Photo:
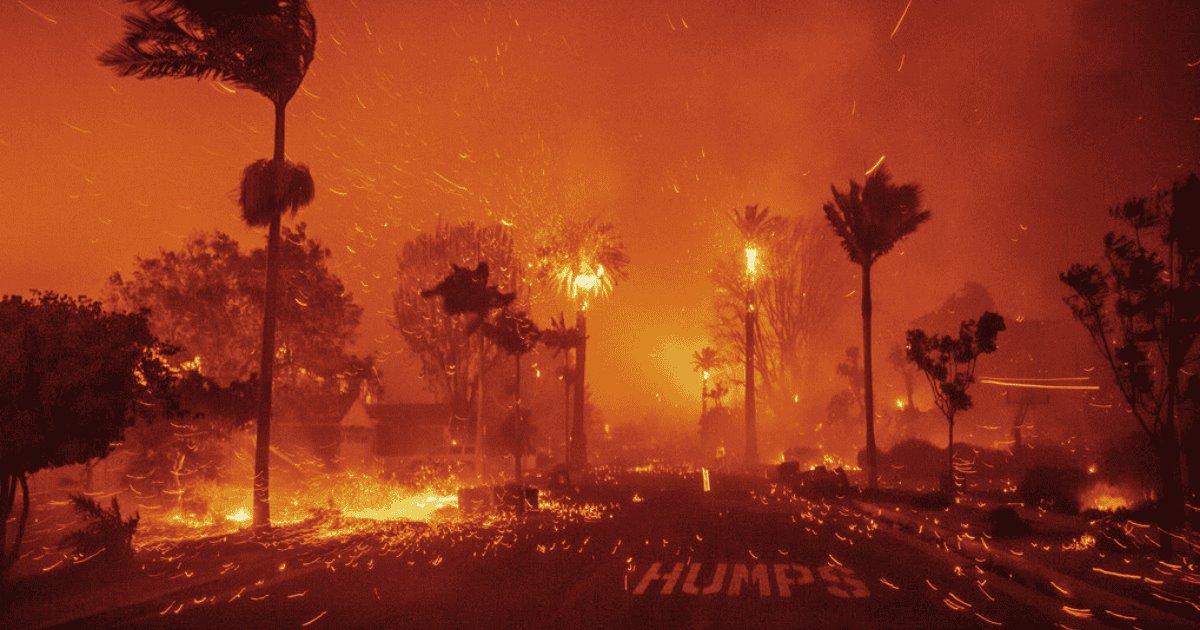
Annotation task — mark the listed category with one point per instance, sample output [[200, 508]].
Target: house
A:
[[372, 433]]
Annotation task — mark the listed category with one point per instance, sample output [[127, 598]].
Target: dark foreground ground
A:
[[648, 549]]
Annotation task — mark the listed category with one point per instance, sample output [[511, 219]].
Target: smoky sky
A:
[[1022, 121]]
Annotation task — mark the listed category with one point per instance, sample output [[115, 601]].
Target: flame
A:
[[1106, 498], [751, 261], [240, 516]]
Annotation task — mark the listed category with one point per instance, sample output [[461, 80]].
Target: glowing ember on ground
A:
[[241, 515]]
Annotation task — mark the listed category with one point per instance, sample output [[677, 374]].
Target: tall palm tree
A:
[[705, 361], [870, 219], [584, 260], [264, 46], [756, 226]]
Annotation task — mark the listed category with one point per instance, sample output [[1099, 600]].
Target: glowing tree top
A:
[[584, 260]]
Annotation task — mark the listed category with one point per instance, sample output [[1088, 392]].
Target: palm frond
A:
[[270, 188], [578, 249], [262, 45], [755, 224], [871, 218]]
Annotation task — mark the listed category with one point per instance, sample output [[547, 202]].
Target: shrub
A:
[[913, 461], [1005, 523], [106, 535]]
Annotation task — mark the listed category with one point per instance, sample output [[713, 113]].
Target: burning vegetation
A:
[[390, 389]]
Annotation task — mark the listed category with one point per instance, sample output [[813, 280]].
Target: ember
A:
[[599, 314]]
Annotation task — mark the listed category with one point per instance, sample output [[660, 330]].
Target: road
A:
[[661, 553]]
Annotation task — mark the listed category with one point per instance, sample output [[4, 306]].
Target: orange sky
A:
[[1022, 120]]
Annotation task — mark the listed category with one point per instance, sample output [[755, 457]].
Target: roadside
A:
[[1095, 569]]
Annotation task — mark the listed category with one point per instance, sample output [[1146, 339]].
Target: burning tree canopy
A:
[[798, 279], [582, 259]]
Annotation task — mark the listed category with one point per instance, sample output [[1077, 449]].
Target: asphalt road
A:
[[663, 554]]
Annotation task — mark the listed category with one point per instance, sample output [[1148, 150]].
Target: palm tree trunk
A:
[[578, 434], [480, 430], [262, 445], [868, 383], [518, 436], [567, 408], [751, 410], [703, 398]]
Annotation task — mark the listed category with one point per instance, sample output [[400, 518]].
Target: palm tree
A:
[[466, 292], [718, 393], [584, 260], [756, 227], [514, 333], [870, 220], [562, 339], [264, 46], [705, 361]]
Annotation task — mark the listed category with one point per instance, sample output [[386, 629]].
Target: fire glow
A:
[[1106, 498]]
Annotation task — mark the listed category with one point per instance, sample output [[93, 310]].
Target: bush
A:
[[1006, 523], [913, 461], [1053, 488], [106, 535]]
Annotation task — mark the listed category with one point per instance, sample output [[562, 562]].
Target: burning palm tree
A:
[[584, 260], [756, 226], [705, 361]]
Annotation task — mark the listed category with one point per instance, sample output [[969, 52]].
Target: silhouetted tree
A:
[[264, 46], [206, 298], [73, 377], [756, 226], [970, 299], [515, 334], [797, 280], [562, 339], [705, 361], [583, 260], [870, 219], [948, 364], [466, 293], [1141, 307], [452, 361]]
